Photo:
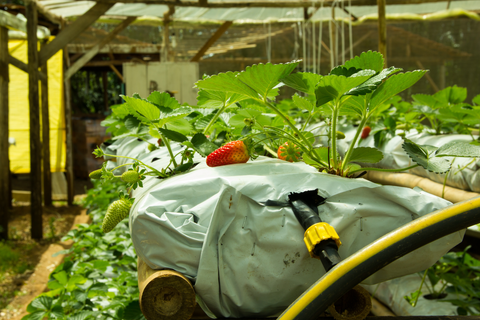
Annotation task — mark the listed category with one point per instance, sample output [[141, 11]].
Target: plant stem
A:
[[351, 147], [123, 165], [143, 164], [420, 289], [333, 132], [215, 117], [384, 170]]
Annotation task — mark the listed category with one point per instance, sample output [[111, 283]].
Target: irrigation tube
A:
[[359, 266]]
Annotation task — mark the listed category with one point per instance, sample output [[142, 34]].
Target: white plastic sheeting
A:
[[246, 259]]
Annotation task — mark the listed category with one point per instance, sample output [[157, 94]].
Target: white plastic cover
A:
[[246, 259]]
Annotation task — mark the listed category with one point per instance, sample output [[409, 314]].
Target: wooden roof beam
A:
[[73, 30], [96, 48], [261, 4], [220, 31]]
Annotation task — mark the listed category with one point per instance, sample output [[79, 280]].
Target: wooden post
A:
[[5, 191], [221, 30], [47, 175], [166, 34], [164, 294], [35, 143], [382, 30], [68, 132]]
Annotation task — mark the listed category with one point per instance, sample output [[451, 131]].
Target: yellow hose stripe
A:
[[364, 254]]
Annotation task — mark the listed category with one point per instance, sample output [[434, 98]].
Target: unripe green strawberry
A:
[[130, 176], [97, 174], [116, 212], [340, 135], [289, 152], [232, 152], [152, 147]]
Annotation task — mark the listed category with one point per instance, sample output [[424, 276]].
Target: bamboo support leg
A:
[[164, 294]]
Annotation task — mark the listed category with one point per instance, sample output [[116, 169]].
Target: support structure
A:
[[165, 56], [35, 143], [220, 31], [382, 30], [47, 175], [5, 192]]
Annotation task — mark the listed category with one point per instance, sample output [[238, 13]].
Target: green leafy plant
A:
[[457, 274]]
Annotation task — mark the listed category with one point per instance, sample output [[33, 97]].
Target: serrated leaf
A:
[[343, 71], [302, 103], [264, 77], [141, 109], [37, 315], [451, 95], [82, 315], [42, 303], [61, 277], [173, 135], [476, 100], [394, 85], [423, 156], [167, 115], [226, 82], [132, 123], [302, 81], [202, 145], [458, 149], [332, 87], [426, 100], [133, 312], [371, 84], [180, 125], [120, 110], [366, 154], [355, 106], [163, 99], [367, 60], [218, 99], [152, 131]]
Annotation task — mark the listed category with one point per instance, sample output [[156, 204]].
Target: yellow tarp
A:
[[19, 111]]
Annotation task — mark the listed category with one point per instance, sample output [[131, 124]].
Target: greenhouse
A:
[[227, 159]]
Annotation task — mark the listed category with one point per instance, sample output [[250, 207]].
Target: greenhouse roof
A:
[[250, 12]]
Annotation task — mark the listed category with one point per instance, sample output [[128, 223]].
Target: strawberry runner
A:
[[246, 259]]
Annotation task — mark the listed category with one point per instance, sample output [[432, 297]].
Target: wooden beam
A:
[[264, 3], [220, 31], [24, 67], [428, 77], [382, 30], [47, 175], [119, 75], [164, 57], [5, 190], [35, 143], [96, 48], [73, 30], [68, 133], [52, 17]]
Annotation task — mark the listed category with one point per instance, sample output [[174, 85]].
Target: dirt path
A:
[[33, 282]]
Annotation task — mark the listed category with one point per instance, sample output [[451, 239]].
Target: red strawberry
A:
[[365, 132], [289, 152], [232, 152]]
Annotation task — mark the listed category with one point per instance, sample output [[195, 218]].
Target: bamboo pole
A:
[[382, 29], [5, 191], [47, 175], [35, 143], [68, 133], [164, 294]]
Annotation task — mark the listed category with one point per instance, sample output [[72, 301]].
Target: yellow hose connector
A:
[[317, 233]]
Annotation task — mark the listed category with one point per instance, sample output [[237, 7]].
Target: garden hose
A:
[[365, 262], [321, 239]]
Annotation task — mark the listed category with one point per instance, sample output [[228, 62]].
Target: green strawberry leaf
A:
[[202, 145], [371, 84], [342, 71], [168, 115], [458, 149], [61, 277], [37, 315], [426, 100], [264, 77], [333, 87], [355, 106], [173, 135], [43, 303], [302, 81], [180, 125], [218, 99], [394, 85], [367, 60], [226, 82], [366, 154], [132, 311], [425, 157], [163, 100], [451, 95], [476, 100], [141, 109], [302, 103], [184, 167], [120, 110]]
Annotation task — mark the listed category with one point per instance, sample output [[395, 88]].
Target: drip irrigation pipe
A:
[[359, 266]]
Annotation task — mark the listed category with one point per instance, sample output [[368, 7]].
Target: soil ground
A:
[[24, 252]]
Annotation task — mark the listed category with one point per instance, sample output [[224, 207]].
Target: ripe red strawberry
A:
[[289, 152], [232, 152], [365, 132]]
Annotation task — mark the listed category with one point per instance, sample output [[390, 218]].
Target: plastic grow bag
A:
[[247, 259]]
